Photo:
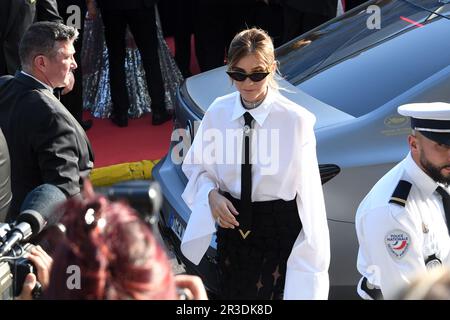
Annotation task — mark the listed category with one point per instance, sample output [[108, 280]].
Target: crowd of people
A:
[[115, 251], [46, 144], [272, 233], [148, 79], [214, 24]]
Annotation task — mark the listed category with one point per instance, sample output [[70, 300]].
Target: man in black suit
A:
[[301, 16], [15, 17], [45, 142], [139, 15]]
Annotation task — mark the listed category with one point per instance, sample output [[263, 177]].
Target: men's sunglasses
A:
[[241, 76]]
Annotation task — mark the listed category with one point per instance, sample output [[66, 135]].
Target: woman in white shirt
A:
[[253, 175]]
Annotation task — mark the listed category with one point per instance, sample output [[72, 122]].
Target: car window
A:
[[308, 53], [362, 69], [439, 6], [370, 78]]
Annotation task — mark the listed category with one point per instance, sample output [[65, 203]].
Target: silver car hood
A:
[[205, 87]]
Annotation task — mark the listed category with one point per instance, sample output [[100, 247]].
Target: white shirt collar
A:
[[419, 178], [45, 85], [259, 113]]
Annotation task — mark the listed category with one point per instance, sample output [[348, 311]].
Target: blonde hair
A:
[[254, 41]]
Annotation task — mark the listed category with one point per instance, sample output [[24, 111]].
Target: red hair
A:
[[117, 254]]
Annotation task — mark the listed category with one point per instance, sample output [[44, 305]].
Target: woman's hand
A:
[[222, 210], [43, 263], [191, 286]]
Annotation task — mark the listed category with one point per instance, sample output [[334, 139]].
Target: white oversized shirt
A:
[[284, 165], [420, 224]]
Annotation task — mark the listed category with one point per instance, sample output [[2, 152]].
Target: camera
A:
[[14, 267], [143, 195], [38, 210]]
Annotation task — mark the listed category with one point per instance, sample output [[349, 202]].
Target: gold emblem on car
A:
[[395, 121]]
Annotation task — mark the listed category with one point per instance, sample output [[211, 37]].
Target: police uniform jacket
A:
[[401, 227]]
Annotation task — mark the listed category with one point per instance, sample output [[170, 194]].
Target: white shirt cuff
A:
[[306, 286]]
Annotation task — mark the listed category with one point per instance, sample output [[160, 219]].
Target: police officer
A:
[[401, 224]]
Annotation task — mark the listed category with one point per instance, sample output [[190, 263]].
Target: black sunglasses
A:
[[241, 76]]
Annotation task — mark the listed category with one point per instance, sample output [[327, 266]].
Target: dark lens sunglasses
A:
[[241, 76]]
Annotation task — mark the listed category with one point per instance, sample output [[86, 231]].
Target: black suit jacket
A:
[[125, 4], [15, 17], [47, 10], [46, 144]]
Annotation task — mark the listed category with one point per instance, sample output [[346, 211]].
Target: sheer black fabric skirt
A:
[[255, 267]]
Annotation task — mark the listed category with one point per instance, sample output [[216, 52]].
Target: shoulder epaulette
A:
[[401, 192]]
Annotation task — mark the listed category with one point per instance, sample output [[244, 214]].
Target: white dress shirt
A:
[[421, 220], [283, 166]]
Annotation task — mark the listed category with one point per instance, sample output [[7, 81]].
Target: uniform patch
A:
[[397, 243], [401, 192]]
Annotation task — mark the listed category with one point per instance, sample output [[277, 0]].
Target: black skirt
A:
[[255, 267]]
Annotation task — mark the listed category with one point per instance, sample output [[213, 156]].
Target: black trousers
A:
[[184, 11], [215, 25], [142, 24], [73, 101], [12, 28], [255, 267], [350, 4], [209, 29]]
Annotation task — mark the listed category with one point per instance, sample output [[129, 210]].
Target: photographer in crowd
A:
[[37, 255], [116, 252]]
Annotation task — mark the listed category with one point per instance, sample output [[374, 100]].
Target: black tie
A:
[[446, 203], [245, 214]]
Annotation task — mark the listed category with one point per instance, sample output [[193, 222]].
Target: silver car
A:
[[352, 73]]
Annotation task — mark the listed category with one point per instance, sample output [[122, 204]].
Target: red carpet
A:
[[139, 141]]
